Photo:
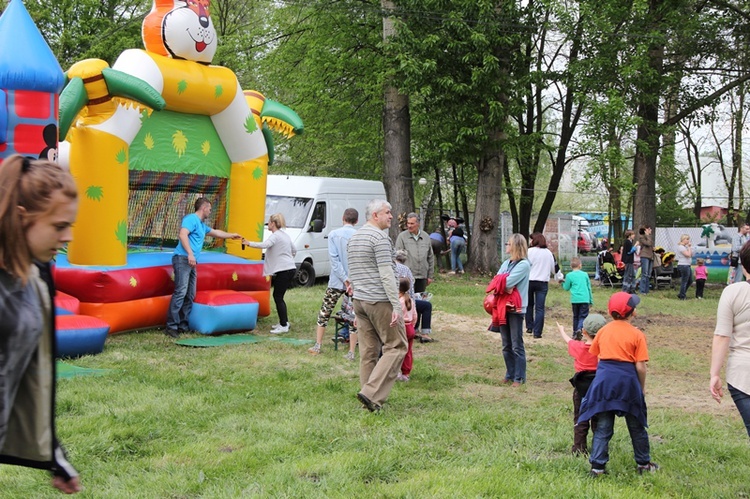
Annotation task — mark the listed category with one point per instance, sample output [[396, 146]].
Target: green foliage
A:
[[83, 29]]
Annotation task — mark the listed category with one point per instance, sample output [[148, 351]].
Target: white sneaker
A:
[[281, 329], [276, 326], [349, 356]]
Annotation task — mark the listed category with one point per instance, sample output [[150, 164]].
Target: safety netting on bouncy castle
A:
[[174, 159]]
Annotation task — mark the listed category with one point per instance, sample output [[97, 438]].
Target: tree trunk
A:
[[647, 144], [483, 257], [739, 124], [397, 174]]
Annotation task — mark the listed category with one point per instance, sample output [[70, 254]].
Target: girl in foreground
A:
[[38, 205]]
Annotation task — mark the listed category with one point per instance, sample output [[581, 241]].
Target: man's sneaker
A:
[[402, 377], [281, 329], [596, 473], [647, 468], [315, 349], [172, 333], [349, 356]]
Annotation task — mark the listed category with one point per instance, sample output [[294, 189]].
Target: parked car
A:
[[585, 242]]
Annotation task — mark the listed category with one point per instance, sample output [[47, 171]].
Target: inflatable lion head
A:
[[181, 30]]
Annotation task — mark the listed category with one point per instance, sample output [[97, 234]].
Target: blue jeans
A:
[[580, 312], [647, 265], [628, 278], [457, 247], [514, 352], [742, 401], [535, 309], [424, 315], [686, 279], [185, 278], [605, 428]]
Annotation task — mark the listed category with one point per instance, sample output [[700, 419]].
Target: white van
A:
[[313, 207]]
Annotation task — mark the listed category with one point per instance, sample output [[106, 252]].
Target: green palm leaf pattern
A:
[[121, 233], [258, 173], [250, 125], [94, 192], [181, 86], [122, 156], [259, 231], [218, 91]]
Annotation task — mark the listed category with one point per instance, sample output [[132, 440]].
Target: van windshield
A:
[[294, 209]]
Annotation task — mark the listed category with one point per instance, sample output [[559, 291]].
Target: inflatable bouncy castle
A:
[[143, 139]]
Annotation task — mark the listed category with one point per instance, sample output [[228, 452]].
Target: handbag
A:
[[489, 302]]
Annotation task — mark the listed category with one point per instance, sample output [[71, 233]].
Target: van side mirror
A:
[[316, 225]]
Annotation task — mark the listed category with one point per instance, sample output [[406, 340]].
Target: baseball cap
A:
[[623, 303], [593, 323]]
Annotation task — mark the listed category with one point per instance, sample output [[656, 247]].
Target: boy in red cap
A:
[[617, 389]]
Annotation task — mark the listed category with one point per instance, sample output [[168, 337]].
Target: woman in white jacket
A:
[[279, 263]]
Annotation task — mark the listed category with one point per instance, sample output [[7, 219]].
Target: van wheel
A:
[[305, 275]]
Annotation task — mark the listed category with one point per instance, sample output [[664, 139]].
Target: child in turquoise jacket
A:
[[579, 285]]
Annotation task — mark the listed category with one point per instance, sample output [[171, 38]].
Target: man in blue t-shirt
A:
[[184, 261]]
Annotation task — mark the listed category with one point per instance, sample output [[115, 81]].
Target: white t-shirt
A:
[[542, 264]]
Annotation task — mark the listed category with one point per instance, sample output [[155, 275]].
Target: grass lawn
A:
[[269, 420]]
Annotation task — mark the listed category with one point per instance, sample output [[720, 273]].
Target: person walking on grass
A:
[[732, 341], [585, 370], [38, 206], [619, 386], [409, 310], [338, 281], [380, 325], [581, 297], [278, 263], [193, 231]]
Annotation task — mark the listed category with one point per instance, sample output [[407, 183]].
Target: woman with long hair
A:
[[38, 205]]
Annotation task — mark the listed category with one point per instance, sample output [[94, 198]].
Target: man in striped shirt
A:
[[379, 321]]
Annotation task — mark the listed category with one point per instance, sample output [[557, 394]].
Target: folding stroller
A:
[[344, 321], [663, 273], [609, 276]]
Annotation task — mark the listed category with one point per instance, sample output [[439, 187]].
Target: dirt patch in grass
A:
[[686, 387]]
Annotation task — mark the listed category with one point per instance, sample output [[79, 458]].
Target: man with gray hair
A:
[[380, 323], [420, 259]]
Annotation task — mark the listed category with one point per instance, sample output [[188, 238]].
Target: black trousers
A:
[[281, 282]]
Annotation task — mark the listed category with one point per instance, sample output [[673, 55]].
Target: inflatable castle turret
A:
[[30, 83]]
